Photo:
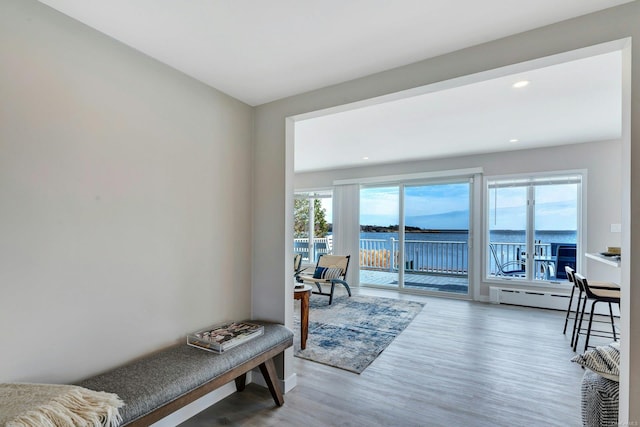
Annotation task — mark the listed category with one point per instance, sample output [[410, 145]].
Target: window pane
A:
[[507, 231], [556, 226], [379, 213], [312, 225], [301, 227]]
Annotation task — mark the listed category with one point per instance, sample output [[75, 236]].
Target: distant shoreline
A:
[[420, 230], [409, 229]]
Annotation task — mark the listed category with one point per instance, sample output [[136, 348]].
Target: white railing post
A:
[[393, 265]]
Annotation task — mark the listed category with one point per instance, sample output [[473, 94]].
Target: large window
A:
[[312, 224], [533, 227]]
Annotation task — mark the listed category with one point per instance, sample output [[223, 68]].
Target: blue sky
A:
[[439, 206], [447, 207], [555, 208]]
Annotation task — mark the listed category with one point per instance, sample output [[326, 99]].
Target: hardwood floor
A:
[[459, 363]]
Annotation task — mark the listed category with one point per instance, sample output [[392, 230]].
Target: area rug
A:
[[350, 333]]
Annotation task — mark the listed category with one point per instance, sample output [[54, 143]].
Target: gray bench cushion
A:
[[161, 377]]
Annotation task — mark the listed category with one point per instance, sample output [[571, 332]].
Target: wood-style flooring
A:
[[459, 363]]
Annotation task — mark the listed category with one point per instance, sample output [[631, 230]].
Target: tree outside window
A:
[[311, 216]]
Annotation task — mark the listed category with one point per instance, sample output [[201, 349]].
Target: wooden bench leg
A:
[[268, 369], [241, 382]]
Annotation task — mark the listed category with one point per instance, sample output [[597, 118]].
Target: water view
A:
[[446, 251], [503, 236]]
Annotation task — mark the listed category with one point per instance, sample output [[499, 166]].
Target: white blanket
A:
[[54, 405]]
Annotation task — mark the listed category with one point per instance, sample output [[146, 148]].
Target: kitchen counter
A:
[[609, 260]]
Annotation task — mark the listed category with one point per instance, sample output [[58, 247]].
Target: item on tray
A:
[[610, 255], [225, 336]]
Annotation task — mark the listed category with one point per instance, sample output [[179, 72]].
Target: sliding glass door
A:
[[436, 237], [415, 236]]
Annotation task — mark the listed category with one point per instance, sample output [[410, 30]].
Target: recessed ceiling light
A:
[[521, 83], [514, 140], [365, 158]]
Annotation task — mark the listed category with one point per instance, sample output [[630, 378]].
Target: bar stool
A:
[[571, 314], [595, 295], [569, 271]]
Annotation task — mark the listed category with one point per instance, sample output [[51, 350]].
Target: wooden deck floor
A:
[[426, 282], [459, 363]]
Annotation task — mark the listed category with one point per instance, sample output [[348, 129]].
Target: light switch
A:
[[616, 228]]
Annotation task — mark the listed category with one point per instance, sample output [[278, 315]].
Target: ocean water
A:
[[497, 236], [455, 257]]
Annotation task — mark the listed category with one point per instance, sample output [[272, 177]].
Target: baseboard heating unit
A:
[[542, 299], [529, 298]]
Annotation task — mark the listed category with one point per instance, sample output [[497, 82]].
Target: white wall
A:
[[275, 154], [601, 161], [125, 200]]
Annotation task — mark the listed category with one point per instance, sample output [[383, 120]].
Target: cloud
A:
[[447, 207]]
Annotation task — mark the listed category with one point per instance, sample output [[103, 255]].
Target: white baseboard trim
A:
[[197, 406], [529, 297], [286, 385], [290, 383], [554, 300], [483, 298]]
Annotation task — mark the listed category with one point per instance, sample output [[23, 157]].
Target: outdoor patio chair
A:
[[515, 267], [330, 270], [565, 256]]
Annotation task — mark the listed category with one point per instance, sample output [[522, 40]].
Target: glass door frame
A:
[[470, 180]]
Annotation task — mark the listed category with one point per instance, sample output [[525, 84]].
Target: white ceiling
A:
[[571, 102], [260, 51]]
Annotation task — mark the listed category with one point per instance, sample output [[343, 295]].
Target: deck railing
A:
[[510, 252], [321, 245], [375, 254], [426, 256], [421, 256]]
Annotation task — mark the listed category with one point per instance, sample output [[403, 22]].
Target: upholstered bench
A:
[[163, 382]]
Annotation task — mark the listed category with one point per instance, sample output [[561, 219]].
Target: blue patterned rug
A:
[[350, 333]]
